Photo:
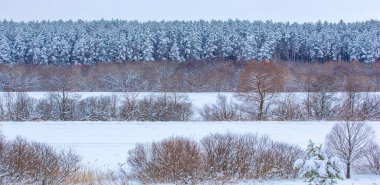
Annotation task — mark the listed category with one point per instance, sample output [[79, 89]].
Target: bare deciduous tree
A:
[[257, 86], [348, 140]]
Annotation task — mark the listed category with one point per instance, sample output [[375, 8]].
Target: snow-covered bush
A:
[[318, 168]]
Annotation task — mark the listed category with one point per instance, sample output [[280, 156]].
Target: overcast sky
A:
[[143, 10]]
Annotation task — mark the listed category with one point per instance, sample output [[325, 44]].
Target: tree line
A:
[[247, 106], [90, 42], [189, 77]]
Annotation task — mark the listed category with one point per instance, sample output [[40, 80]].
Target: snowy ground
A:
[[105, 145]]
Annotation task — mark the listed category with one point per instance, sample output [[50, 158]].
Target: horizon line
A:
[[184, 20]]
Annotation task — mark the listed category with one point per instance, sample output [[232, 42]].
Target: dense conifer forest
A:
[[90, 42]]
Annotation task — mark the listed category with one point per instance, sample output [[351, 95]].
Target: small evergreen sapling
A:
[[319, 169]]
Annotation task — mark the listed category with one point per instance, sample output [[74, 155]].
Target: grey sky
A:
[[143, 10]]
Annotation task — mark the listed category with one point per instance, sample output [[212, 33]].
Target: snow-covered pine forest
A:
[[89, 42]]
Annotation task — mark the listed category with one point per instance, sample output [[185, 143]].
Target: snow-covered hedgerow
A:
[[318, 168]]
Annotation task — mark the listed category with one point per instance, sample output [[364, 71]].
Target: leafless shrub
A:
[[129, 108], [167, 107], [348, 140], [288, 109], [46, 109], [69, 165], [3, 166], [172, 160], [66, 103], [360, 107], [282, 157], [223, 110], [23, 107], [36, 163], [370, 162], [369, 108], [220, 158], [17, 107], [103, 108], [323, 106], [229, 156]]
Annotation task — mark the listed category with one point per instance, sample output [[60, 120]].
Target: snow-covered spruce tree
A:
[[5, 50], [319, 169]]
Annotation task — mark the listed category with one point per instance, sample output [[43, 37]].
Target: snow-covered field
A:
[[105, 145]]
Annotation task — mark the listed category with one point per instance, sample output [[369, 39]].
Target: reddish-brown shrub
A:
[[229, 156], [23, 162], [172, 160], [220, 158]]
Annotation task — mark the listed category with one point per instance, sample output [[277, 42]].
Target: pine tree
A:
[[5, 50], [19, 50], [319, 169], [59, 51], [247, 49], [266, 52], [174, 53]]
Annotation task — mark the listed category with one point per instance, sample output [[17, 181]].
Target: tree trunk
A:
[[261, 107]]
